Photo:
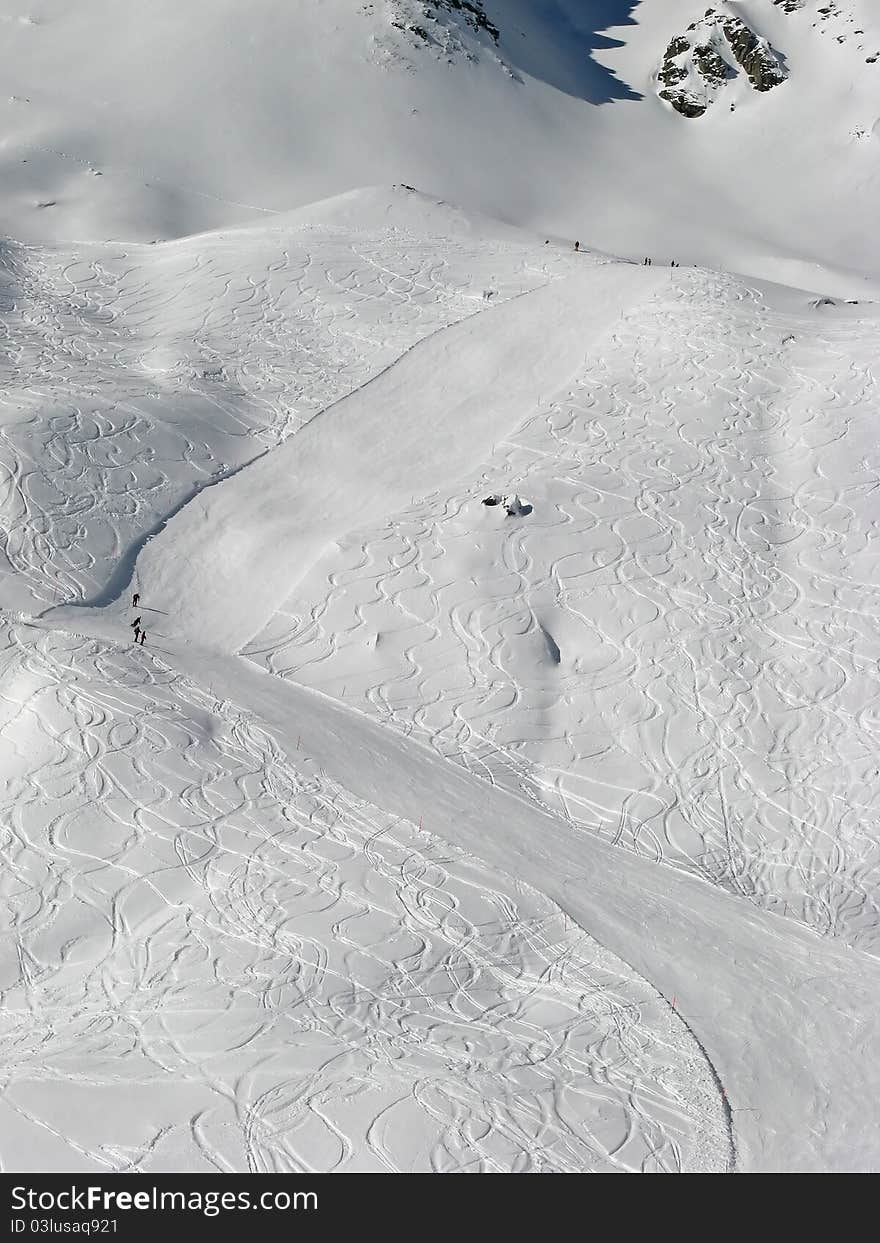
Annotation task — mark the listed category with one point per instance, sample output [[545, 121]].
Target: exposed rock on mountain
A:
[[440, 23], [544, 114], [472, 12], [753, 54], [713, 50]]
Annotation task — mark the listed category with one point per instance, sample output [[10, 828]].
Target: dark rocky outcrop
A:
[[677, 47], [671, 73], [713, 68], [470, 12], [685, 103], [754, 54], [713, 50], [473, 13]]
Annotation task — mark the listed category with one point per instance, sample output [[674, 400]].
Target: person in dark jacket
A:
[[134, 600]]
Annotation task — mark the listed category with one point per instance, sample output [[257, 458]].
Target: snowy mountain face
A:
[[439, 666], [432, 23], [546, 115]]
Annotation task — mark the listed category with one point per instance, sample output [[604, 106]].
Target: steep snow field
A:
[[421, 834]]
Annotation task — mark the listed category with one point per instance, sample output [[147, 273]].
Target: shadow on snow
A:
[[555, 42]]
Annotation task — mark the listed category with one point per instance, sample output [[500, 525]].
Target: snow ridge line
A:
[[121, 577]]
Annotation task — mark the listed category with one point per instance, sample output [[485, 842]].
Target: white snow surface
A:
[[194, 116], [420, 834], [237, 550]]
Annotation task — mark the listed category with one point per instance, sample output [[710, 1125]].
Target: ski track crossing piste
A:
[[492, 781]]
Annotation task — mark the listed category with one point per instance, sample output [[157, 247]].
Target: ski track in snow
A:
[[133, 376], [368, 997], [690, 604], [639, 652]]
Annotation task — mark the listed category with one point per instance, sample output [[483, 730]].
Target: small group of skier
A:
[[648, 263], [139, 633]]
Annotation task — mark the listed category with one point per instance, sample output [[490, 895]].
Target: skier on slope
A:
[[577, 245], [136, 624], [134, 600], [143, 636]]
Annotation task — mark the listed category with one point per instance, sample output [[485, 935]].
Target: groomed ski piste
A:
[[420, 835]]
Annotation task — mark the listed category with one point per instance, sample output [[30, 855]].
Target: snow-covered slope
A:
[[248, 930], [371, 454], [496, 786], [659, 665], [676, 645], [293, 977], [159, 120], [137, 374]]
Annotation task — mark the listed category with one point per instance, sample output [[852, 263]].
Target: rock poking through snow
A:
[[713, 51]]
